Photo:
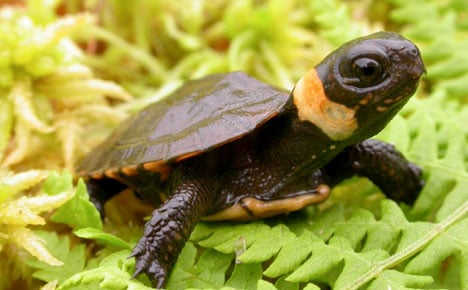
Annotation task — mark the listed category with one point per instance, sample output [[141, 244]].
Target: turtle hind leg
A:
[[167, 231], [101, 190]]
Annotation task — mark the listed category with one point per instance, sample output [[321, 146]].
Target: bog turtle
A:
[[230, 147]]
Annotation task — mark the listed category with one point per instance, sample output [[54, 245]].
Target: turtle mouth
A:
[[399, 94], [402, 91]]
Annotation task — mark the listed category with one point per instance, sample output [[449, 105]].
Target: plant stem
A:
[[411, 249]]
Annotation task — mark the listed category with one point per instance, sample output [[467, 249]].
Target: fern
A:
[[112, 273], [440, 29], [73, 258], [356, 251]]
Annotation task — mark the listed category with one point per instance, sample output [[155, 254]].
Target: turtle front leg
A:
[[168, 230], [387, 168]]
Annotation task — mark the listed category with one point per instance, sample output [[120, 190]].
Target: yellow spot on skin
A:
[[332, 147], [251, 208], [381, 109], [337, 121], [366, 100]]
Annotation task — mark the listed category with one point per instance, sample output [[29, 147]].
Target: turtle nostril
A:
[[414, 52]]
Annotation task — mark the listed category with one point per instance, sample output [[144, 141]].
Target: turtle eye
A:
[[367, 70], [364, 72]]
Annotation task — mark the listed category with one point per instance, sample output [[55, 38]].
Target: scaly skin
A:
[[168, 230], [380, 162]]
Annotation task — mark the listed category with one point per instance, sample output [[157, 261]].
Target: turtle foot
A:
[[147, 262], [165, 235], [167, 231]]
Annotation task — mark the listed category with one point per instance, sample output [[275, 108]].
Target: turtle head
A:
[[357, 89]]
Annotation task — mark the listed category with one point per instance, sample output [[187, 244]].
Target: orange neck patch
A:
[[337, 121]]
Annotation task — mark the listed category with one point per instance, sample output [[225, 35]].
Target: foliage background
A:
[[70, 71]]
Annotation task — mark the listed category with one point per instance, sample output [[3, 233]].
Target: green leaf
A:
[[391, 279], [262, 247], [206, 272], [311, 286], [264, 285], [112, 273], [102, 238], [182, 273], [353, 249], [57, 183], [245, 276], [211, 266], [282, 283], [452, 239], [73, 258], [224, 239], [292, 254], [79, 212], [322, 260]]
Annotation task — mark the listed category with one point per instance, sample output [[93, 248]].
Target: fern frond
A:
[[113, 273], [353, 251]]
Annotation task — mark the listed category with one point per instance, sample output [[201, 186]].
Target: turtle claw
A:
[[147, 262], [99, 206], [156, 274], [151, 267], [101, 190], [166, 233]]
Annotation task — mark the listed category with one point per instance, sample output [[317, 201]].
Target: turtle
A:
[[230, 147]]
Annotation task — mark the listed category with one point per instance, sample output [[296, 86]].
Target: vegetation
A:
[[70, 71]]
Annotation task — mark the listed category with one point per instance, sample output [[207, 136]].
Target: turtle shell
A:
[[200, 115]]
